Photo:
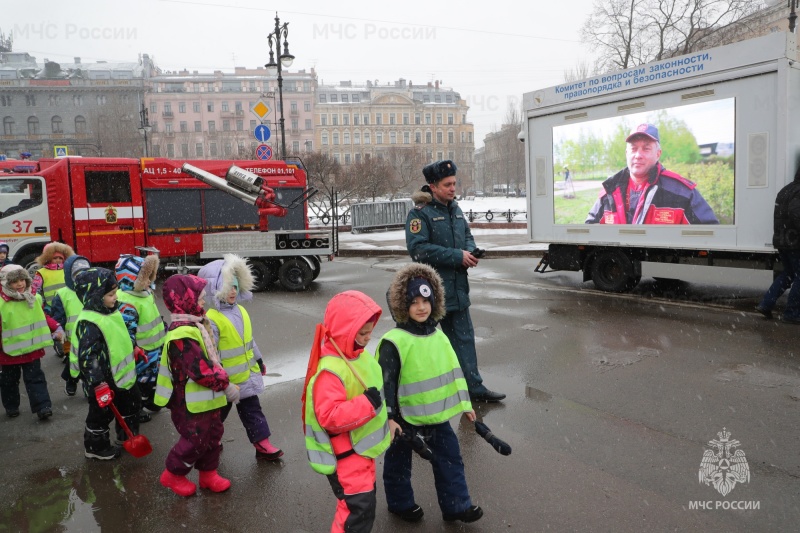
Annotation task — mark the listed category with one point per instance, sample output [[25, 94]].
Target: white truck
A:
[[728, 123]]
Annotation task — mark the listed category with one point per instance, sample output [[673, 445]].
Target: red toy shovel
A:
[[136, 445]]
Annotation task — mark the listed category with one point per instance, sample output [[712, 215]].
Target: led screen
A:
[[667, 166]]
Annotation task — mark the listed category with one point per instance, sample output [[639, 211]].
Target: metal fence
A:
[[377, 215]]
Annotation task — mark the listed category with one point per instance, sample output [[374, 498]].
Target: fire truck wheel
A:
[[295, 274], [317, 266], [613, 271], [265, 273], [28, 262]]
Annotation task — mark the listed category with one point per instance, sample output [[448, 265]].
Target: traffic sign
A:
[[60, 151], [264, 152], [260, 109], [262, 133]]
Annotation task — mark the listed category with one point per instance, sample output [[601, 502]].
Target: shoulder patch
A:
[[415, 225]]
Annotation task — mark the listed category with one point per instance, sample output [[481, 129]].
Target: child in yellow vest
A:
[[424, 388], [344, 417], [229, 283], [50, 278]]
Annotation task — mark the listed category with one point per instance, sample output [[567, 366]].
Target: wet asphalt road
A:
[[612, 400]]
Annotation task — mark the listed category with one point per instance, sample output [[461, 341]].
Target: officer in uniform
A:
[[437, 234]]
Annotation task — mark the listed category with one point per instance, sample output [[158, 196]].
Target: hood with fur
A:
[[422, 196], [50, 250], [135, 273], [11, 274], [345, 315], [221, 274], [396, 295]]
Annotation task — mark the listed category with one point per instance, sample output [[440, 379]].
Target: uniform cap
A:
[[439, 170]]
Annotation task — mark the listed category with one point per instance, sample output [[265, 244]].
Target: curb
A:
[[343, 252]]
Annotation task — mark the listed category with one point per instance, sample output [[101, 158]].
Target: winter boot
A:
[[265, 450], [209, 479], [177, 484], [97, 445]]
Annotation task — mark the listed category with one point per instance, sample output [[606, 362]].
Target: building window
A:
[[212, 126], [184, 149], [167, 108], [309, 146], [405, 118], [391, 119], [379, 137], [323, 120], [355, 120], [366, 120], [30, 100], [8, 126], [101, 99], [463, 136], [168, 127], [393, 137], [198, 126], [181, 107], [378, 118], [33, 126], [417, 137], [417, 118], [449, 118], [308, 123], [253, 125], [427, 118], [464, 118], [212, 149], [240, 125], [226, 125], [293, 107], [345, 120], [170, 150], [306, 106], [184, 126], [80, 124], [295, 124], [335, 139], [450, 155], [344, 98], [439, 137], [157, 151], [322, 99], [53, 99], [358, 158], [55, 122], [227, 149], [198, 149], [346, 159], [406, 137], [469, 137], [240, 148], [196, 107], [355, 99], [428, 137], [438, 118], [77, 100], [357, 138], [366, 137], [225, 108], [334, 120], [334, 98], [346, 137], [324, 139], [295, 147], [238, 107], [210, 107], [451, 137], [337, 158]]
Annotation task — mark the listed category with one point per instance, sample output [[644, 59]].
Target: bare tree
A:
[[405, 165], [504, 154], [115, 126], [626, 33], [374, 176], [578, 72]]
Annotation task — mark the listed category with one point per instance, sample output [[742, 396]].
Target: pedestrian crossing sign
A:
[[60, 151]]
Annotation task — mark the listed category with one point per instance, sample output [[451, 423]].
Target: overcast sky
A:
[[489, 51]]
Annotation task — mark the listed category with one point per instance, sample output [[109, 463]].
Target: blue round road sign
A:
[[262, 133], [263, 152]]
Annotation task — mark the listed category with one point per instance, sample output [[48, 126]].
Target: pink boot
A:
[[177, 484], [209, 479], [265, 450]]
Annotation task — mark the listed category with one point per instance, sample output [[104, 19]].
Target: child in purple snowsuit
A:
[[230, 282]]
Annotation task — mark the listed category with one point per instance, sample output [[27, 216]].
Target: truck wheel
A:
[[612, 271], [28, 262], [317, 267], [295, 274], [264, 274]]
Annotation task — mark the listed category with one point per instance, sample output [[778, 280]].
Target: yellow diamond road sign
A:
[[260, 109]]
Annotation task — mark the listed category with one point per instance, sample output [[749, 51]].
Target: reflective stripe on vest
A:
[[52, 281], [150, 330], [24, 328], [199, 399], [431, 390], [118, 344], [369, 440], [72, 307], [235, 354]]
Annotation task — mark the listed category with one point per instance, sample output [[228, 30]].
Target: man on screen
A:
[[645, 192]]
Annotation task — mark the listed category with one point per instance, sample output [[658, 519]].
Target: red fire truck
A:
[[103, 207]]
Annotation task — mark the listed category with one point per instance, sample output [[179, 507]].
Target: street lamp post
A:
[[144, 127], [284, 59], [792, 15]]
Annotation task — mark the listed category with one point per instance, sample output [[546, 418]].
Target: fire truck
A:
[[190, 212]]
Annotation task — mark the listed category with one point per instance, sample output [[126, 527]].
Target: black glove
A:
[[374, 397], [418, 444], [477, 253], [500, 446]]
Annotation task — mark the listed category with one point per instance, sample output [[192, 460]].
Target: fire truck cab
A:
[[104, 207]]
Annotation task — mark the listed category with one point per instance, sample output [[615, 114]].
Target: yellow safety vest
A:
[[24, 328], [235, 354], [118, 343], [52, 281], [150, 330]]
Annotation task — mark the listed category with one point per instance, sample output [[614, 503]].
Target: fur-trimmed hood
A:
[[220, 275], [396, 295], [147, 274], [422, 196], [50, 250]]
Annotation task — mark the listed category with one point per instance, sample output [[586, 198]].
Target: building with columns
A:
[[357, 122]]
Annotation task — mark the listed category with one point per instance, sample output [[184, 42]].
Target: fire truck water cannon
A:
[[251, 189]]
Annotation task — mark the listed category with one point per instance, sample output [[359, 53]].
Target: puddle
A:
[[537, 395]]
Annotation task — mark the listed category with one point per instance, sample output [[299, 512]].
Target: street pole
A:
[[284, 60], [144, 127]]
